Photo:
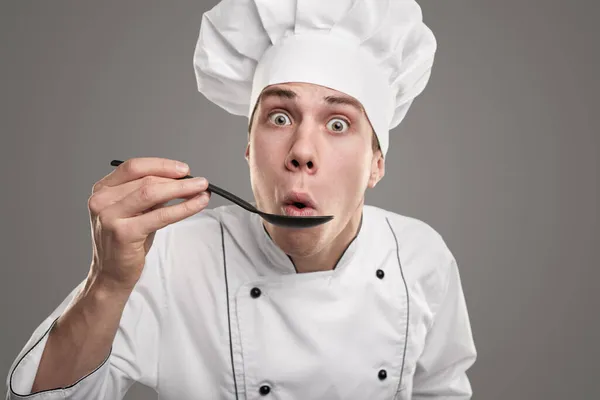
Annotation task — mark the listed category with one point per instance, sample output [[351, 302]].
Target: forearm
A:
[[82, 337]]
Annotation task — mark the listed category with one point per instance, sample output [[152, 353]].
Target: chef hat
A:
[[378, 51]]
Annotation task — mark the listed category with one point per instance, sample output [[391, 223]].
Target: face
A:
[[310, 153]]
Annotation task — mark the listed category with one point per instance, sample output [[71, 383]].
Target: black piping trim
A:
[[228, 311], [55, 389], [292, 261], [407, 303], [353, 239]]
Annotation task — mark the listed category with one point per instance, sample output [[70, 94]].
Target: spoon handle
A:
[[212, 188], [231, 197], [228, 195]]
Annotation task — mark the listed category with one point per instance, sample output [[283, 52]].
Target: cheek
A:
[[263, 163], [263, 155], [348, 175]]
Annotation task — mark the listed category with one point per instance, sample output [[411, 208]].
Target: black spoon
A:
[[281, 220]]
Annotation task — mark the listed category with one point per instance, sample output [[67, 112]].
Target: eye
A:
[[337, 125], [280, 119]]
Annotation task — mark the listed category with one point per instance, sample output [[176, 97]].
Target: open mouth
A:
[[299, 208]]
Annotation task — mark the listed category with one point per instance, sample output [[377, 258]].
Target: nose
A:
[[302, 154]]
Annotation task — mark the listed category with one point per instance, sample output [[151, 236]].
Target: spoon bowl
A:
[[275, 219]]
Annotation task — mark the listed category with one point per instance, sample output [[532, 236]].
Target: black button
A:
[[255, 292], [265, 390], [382, 374], [380, 274]]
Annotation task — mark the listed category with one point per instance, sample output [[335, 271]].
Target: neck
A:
[[327, 259]]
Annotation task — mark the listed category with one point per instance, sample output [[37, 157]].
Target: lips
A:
[[299, 204]]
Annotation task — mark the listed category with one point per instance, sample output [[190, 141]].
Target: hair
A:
[[374, 140]]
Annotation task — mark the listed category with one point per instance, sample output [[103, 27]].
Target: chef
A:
[[366, 306]]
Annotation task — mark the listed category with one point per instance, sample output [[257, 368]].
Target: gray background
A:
[[500, 155]]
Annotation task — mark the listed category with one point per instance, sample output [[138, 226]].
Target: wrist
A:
[[102, 288]]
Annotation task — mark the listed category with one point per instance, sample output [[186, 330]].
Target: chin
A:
[[300, 242]]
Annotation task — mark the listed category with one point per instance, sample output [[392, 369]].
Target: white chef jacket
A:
[[219, 312]]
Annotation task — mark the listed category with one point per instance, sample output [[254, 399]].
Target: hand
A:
[[126, 209]]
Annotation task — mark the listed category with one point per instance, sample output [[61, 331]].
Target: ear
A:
[[247, 153], [377, 169]]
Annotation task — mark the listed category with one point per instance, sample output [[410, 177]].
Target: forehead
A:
[[305, 88], [300, 91]]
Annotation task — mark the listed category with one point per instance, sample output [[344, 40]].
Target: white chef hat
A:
[[378, 51]]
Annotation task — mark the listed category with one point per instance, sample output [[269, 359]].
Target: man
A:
[[219, 304]]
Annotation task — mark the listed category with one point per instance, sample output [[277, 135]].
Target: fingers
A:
[[136, 168], [151, 195], [164, 216], [107, 196]]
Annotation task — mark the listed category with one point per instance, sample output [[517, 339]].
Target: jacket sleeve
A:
[[133, 355], [449, 349]]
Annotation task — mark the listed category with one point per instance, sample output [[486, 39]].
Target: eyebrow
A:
[[289, 94], [276, 92], [344, 100]]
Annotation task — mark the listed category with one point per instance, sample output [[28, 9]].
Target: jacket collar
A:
[[283, 263]]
